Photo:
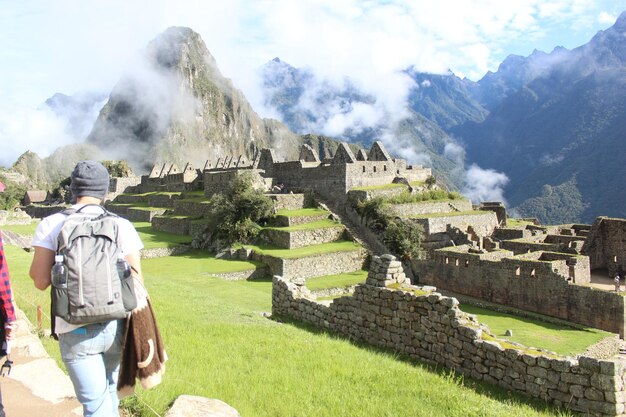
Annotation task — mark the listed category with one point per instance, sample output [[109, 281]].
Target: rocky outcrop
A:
[[180, 108]]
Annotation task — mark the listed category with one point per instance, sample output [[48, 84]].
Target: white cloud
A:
[[38, 130], [74, 45], [484, 184], [606, 18]]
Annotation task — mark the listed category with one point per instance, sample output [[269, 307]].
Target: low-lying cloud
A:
[[484, 184]]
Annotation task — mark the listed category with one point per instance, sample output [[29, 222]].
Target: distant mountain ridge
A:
[[180, 108], [306, 104], [563, 129], [552, 122]]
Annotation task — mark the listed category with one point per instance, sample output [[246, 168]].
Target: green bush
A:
[[430, 195], [12, 195], [404, 239], [376, 211], [233, 214], [118, 168]]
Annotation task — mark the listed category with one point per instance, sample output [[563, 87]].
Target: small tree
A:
[[430, 182], [233, 214], [375, 211], [404, 239]]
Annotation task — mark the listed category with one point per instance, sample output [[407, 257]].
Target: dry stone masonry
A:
[[422, 324]]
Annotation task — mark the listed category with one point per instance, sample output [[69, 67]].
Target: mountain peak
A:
[[620, 23]]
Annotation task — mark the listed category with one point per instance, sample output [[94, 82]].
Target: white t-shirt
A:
[[50, 227]]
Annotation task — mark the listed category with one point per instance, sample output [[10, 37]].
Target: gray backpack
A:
[[98, 289]]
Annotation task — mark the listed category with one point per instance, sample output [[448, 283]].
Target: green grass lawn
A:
[[302, 212], [155, 239], [336, 281], [450, 214], [339, 246], [221, 347], [510, 222], [562, 339], [22, 229], [319, 224], [379, 187]]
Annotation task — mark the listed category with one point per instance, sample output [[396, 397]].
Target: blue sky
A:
[[74, 46]]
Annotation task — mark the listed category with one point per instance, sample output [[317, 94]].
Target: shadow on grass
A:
[[491, 391]]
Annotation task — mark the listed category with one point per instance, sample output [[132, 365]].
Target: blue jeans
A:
[[92, 357]]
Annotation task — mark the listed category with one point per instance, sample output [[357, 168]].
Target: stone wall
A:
[[606, 245], [518, 246], [287, 201], [176, 225], [544, 283], [191, 208], [426, 207], [362, 195], [40, 212], [313, 266], [163, 252], [14, 217], [483, 223], [162, 200], [511, 233], [301, 238], [286, 221], [120, 185], [424, 325]]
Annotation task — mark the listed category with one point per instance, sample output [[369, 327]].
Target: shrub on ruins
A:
[[404, 239], [375, 211], [11, 197], [429, 195], [118, 168], [234, 214], [430, 182]]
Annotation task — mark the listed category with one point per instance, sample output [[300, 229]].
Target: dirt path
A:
[[36, 386]]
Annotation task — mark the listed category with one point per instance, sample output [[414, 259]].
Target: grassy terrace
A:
[[451, 214], [336, 281], [517, 223], [156, 193], [319, 224], [220, 346], [305, 212], [339, 246], [22, 229], [559, 338], [379, 187], [155, 239]]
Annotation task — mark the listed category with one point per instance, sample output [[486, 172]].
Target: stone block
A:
[[606, 382], [594, 394], [194, 406], [615, 397], [537, 371], [591, 364], [570, 378]]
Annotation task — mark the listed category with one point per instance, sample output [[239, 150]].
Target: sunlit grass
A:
[[337, 281], [152, 238], [305, 212], [221, 346], [559, 338], [339, 246]]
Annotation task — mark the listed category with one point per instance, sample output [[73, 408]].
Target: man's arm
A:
[[134, 260], [41, 266]]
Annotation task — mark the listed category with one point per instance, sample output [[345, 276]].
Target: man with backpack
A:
[[93, 253]]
